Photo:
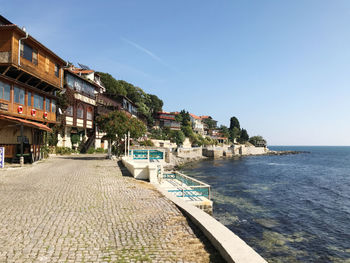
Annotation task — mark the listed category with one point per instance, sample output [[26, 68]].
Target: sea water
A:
[[289, 208]]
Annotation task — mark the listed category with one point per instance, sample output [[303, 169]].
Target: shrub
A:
[[91, 150], [63, 150], [146, 143], [75, 138], [99, 150]]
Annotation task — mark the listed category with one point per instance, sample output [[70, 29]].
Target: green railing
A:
[[198, 188], [146, 154]]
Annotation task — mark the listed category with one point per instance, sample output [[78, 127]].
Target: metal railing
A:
[[146, 154], [198, 188]]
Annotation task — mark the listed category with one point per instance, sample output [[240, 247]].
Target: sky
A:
[[281, 67]]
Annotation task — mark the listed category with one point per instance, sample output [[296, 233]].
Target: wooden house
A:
[[79, 116], [30, 76]]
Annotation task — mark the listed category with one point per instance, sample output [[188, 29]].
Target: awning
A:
[[26, 123]]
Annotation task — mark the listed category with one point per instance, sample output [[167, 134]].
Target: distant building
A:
[[197, 124], [204, 120], [166, 119], [30, 76]]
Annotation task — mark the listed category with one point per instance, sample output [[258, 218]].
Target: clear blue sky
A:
[[281, 67]]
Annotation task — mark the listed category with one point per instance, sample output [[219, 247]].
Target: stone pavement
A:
[[83, 209]]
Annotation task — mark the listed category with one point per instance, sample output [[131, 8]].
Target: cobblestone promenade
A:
[[83, 209]]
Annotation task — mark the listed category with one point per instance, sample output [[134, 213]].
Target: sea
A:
[[289, 208]]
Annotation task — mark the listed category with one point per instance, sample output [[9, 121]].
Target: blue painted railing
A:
[[198, 188], [146, 154]]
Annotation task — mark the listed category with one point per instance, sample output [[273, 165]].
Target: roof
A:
[[8, 25], [205, 117], [194, 116], [4, 20], [26, 123], [83, 71]]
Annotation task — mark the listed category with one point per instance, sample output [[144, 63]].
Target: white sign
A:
[[2, 157], [84, 99]]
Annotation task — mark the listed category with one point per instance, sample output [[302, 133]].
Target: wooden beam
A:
[[28, 80], [38, 84], [7, 69], [20, 75], [47, 85]]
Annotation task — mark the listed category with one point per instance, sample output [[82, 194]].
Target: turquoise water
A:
[[289, 208]]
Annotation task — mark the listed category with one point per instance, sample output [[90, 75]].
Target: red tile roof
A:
[[194, 116]]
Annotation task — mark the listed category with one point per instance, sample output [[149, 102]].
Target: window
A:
[[70, 80], [29, 53], [57, 68], [18, 95], [53, 106], [80, 112], [89, 113], [29, 99], [38, 102], [69, 111], [5, 90], [47, 105]]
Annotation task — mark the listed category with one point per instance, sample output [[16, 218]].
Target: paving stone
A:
[[84, 209]]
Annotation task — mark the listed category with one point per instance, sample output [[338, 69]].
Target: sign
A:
[[84, 99], [4, 106], [2, 157]]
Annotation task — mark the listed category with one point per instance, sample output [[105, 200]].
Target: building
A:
[[107, 103], [78, 118], [197, 124], [166, 119], [208, 124], [30, 76], [218, 135]]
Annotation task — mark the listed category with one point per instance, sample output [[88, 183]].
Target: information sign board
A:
[[2, 157]]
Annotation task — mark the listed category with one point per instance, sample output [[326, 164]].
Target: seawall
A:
[[229, 245]]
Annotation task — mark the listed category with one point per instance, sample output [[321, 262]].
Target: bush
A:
[[91, 150], [63, 150], [75, 138], [99, 150], [146, 143]]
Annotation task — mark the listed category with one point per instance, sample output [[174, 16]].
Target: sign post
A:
[[2, 157]]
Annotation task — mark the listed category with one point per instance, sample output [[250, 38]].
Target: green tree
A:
[[116, 124], [113, 86], [234, 123], [234, 134], [177, 137], [258, 141], [210, 123], [225, 131], [244, 137], [184, 118]]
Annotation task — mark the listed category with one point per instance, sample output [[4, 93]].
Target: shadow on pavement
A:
[[123, 169], [85, 157]]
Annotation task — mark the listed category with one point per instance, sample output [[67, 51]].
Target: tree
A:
[[184, 118], [116, 124], [258, 141], [244, 137], [234, 123], [234, 134], [210, 123], [225, 131], [113, 86], [177, 137]]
